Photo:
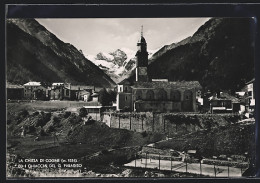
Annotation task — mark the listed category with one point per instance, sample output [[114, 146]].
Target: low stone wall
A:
[[168, 123]]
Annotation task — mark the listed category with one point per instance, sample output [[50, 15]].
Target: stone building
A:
[[14, 92], [34, 90], [158, 95]]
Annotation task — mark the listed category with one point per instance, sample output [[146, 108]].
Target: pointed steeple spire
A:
[[142, 31]]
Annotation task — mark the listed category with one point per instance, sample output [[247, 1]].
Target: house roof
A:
[[226, 96], [14, 86], [251, 81], [125, 81], [57, 84], [94, 95], [163, 84], [191, 151], [79, 87], [84, 92], [33, 83]]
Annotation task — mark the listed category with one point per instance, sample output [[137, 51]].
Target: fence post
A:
[[186, 164], [163, 125], [142, 123], [215, 170], [159, 161], [171, 162], [153, 121], [130, 120], [135, 159], [145, 159], [119, 120], [228, 169], [200, 169]]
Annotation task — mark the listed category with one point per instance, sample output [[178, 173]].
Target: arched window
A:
[[138, 95], [149, 95], [188, 95], [162, 94], [175, 95]]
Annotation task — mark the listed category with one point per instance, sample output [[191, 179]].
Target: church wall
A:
[[124, 100], [164, 105]]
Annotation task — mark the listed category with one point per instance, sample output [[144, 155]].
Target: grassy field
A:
[[42, 105]]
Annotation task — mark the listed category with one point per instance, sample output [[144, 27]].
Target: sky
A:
[[94, 35]]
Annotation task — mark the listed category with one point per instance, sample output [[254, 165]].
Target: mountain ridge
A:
[[218, 52], [31, 47]]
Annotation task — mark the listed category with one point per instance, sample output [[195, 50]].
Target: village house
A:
[[158, 95], [56, 92], [14, 92], [78, 92], [222, 102], [34, 90], [250, 92]]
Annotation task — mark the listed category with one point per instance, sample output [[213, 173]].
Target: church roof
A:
[[124, 82], [172, 84], [142, 40]]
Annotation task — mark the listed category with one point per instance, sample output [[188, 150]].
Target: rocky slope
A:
[[220, 55], [34, 53]]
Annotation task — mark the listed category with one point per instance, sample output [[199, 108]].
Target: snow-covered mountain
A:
[[117, 64]]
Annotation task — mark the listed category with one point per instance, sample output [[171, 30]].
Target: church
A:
[[155, 95]]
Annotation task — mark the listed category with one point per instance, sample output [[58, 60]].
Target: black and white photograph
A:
[[130, 97]]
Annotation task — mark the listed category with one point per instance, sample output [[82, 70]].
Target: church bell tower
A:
[[141, 60]]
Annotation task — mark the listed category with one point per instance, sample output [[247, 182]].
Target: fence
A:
[[174, 164]]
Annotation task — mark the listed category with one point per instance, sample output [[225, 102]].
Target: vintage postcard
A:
[[130, 97]]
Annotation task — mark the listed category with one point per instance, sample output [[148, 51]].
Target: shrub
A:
[[83, 112], [105, 151], [31, 129], [66, 114], [144, 134], [69, 132], [74, 119], [56, 119], [50, 129], [21, 116], [42, 132], [36, 113]]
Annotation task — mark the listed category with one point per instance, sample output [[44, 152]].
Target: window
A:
[[150, 95], [125, 89], [188, 95], [175, 95], [138, 94], [162, 94], [125, 98]]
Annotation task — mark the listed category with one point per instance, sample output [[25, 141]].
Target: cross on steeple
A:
[[142, 31]]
